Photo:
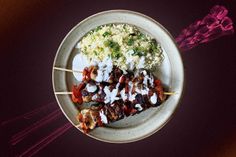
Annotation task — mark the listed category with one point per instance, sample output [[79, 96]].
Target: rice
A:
[[128, 48]]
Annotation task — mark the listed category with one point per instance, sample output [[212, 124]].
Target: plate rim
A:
[[179, 54]]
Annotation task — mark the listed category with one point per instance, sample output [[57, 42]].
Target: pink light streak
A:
[[214, 25], [46, 140], [31, 114], [44, 121]]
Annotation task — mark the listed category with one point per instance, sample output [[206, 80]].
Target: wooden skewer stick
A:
[[77, 71], [65, 93], [69, 70], [169, 93], [77, 126]]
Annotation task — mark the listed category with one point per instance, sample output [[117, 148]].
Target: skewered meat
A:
[[119, 96]]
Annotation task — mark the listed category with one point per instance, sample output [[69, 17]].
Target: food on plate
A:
[[119, 96], [128, 47], [116, 60]]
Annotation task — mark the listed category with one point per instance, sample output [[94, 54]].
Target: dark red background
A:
[[204, 124]]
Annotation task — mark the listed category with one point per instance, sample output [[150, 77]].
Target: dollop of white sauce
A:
[[144, 72], [138, 107], [153, 98], [99, 77], [123, 95], [104, 70], [103, 117], [147, 78], [131, 96], [141, 62], [79, 62], [91, 88], [111, 96], [143, 91], [129, 60], [151, 80]]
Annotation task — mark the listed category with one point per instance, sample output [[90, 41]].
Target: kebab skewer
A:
[[118, 96]]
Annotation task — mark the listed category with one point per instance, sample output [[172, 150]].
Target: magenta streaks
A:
[[212, 26], [31, 114], [44, 121], [45, 141]]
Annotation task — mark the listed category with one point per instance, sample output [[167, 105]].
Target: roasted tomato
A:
[[76, 93], [159, 90]]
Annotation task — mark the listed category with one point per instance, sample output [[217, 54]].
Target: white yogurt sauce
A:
[[144, 72], [131, 96], [99, 77], [138, 107], [104, 70], [147, 78], [91, 88], [130, 60], [141, 62], [103, 117], [153, 98], [143, 91], [151, 80], [123, 95], [111, 96], [79, 62]]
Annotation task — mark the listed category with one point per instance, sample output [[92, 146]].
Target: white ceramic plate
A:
[[170, 72]]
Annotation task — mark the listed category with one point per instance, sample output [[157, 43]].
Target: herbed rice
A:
[[128, 48]]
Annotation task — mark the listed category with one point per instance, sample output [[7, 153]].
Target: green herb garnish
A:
[[106, 34], [115, 48], [95, 52], [115, 55], [130, 42], [153, 46], [113, 45], [98, 28], [141, 36]]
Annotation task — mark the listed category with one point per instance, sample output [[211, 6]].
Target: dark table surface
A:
[[204, 124]]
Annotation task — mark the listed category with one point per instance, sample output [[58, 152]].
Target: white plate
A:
[[170, 72]]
